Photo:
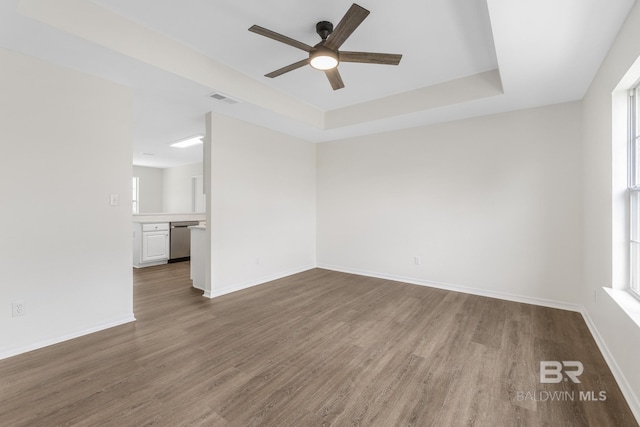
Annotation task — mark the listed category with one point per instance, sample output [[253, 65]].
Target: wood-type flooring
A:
[[319, 348]]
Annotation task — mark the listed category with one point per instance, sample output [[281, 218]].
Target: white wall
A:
[[66, 146], [150, 189], [177, 190], [261, 197], [615, 330], [491, 203], [166, 189]]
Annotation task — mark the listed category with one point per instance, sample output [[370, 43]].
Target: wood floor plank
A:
[[315, 348]]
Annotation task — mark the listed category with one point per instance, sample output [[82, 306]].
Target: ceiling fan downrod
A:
[[324, 29]]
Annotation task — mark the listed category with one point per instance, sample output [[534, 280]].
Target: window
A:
[[136, 192], [634, 188]]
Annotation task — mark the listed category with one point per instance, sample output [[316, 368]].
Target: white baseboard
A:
[[50, 341], [625, 388], [457, 288], [619, 376], [251, 283]]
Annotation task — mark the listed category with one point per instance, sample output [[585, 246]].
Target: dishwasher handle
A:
[[183, 224]]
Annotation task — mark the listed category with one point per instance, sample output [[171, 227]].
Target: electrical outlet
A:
[[257, 261], [417, 260], [18, 308]]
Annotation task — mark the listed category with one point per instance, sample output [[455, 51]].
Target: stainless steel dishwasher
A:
[[180, 240]]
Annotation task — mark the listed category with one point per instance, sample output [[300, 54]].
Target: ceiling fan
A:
[[325, 55]]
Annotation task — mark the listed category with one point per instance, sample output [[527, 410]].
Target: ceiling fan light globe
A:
[[322, 58], [324, 62]]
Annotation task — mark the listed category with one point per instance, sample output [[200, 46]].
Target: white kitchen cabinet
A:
[[150, 244]]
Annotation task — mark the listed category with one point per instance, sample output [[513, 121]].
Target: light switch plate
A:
[[115, 200]]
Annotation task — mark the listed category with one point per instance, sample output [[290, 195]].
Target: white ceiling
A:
[[219, 30], [460, 59]]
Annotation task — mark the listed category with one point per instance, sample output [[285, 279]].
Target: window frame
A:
[[633, 190], [135, 192]]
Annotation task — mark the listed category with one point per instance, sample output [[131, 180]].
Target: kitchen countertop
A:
[[168, 217]]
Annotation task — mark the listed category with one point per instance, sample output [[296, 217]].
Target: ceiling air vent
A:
[[224, 98]]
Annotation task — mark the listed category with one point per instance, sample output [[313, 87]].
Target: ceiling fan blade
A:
[[279, 37], [347, 25], [334, 78], [370, 57], [288, 68]]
